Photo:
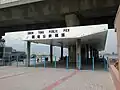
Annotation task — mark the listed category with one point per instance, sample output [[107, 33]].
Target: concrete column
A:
[[72, 53], [51, 53], [94, 54], [28, 53], [72, 20], [97, 54], [61, 52], [87, 51], [91, 53], [69, 54], [78, 51]]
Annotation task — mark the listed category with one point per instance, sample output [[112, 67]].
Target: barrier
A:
[[55, 62], [106, 63], [93, 64], [79, 62], [67, 62], [35, 61], [44, 63]]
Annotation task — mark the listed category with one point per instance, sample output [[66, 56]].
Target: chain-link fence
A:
[[12, 59]]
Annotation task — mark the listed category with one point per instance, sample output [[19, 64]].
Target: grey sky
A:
[[14, 40]]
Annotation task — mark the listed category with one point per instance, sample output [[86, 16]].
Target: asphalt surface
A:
[[30, 78]]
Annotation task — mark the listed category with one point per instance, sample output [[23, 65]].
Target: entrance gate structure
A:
[[83, 43]]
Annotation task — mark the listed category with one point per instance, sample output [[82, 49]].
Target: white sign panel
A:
[[68, 32]]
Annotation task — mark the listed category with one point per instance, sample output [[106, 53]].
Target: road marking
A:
[[8, 76], [111, 78], [53, 85], [18, 74]]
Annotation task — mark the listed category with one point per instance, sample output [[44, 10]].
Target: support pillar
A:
[[28, 53], [72, 54], [78, 54], [97, 52], [91, 54], [51, 53], [87, 53], [61, 52], [93, 50], [69, 53], [72, 20]]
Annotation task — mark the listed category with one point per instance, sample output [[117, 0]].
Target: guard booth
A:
[[83, 44]]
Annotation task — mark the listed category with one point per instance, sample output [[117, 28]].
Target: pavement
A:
[[31, 78]]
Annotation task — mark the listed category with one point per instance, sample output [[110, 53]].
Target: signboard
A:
[[68, 32]]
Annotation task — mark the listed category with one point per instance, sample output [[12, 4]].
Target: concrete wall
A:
[[50, 10]]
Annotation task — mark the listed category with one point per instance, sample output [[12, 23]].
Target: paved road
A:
[[21, 78]]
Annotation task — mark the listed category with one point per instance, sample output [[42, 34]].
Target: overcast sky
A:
[[15, 40]]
